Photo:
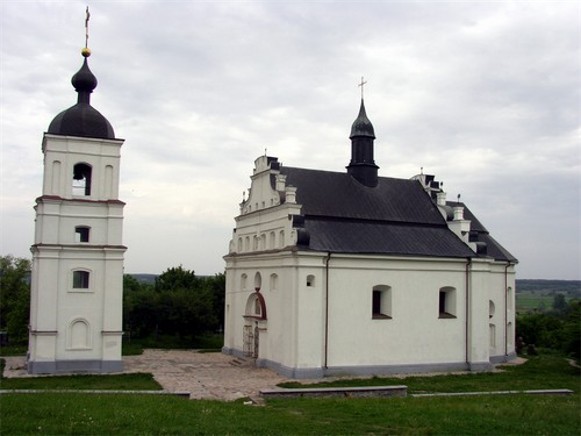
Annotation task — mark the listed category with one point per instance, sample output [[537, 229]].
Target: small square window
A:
[[82, 234], [80, 280]]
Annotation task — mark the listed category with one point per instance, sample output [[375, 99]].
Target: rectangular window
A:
[[381, 302], [80, 280], [447, 303], [82, 234]]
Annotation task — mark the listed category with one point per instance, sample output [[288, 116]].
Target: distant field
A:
[[527, 301], [539, 294]]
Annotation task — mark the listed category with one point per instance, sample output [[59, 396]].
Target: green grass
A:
[[51, 413], [540, 372], [144, 415], [14, 350], [139, 381], [208, 341], [528, 301]]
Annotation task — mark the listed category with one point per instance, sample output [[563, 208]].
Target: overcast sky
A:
[[485, 95]]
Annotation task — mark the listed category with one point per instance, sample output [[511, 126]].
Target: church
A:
[[350, 272]]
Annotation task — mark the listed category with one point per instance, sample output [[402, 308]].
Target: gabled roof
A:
[[397, 217]]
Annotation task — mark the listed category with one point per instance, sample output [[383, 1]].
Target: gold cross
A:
[[363, 82]]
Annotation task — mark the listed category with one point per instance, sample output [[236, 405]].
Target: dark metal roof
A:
[[350, 236], [397, 217], [332, 194], [362, 126], [82, 119]]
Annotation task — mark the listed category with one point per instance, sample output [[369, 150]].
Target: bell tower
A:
[[77, 255]]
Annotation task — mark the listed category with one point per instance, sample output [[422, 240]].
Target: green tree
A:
[[140, 308], [560, 303], [15, 297]]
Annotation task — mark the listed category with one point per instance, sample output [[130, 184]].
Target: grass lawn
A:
[[124, 382], [51, 413], [547, 371], [125, 414]]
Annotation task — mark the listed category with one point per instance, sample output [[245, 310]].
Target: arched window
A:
[[109, 181], [492, 335], [491, 309], [263, 241], [56, 177], [271, 240], [82, 233], [82, 179], [257, 281], [81, 279], [273, 282], [243, 281], [255, 306], [79, 337], [255, 243], [281, 241], [247, 243], [447, 302], [239, 248], [381, 302]]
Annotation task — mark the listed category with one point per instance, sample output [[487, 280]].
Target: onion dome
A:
[[82, 119], [362, 126]]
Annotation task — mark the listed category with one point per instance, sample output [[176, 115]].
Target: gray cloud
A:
[[485, 95]]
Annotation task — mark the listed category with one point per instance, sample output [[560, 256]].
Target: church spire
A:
[[362, 165], [82, 119]]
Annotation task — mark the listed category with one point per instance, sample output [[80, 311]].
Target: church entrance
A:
[[254, 321], [251, 340]]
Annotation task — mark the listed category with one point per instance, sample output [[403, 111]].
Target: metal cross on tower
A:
[[363, 82]]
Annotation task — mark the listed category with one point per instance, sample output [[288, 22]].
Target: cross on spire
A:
[[87, 17], [363, 82]]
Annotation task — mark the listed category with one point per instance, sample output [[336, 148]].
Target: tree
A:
[[15, 297], [560, 303], [180, 304]]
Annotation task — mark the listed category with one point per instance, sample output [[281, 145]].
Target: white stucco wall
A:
[[77, 328]]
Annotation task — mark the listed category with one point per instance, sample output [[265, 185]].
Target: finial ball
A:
[[86, 52]]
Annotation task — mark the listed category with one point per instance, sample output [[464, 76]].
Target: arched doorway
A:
[[254, 321]]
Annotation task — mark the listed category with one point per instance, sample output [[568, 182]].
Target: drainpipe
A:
[[467, 275], [506, 310], [327, 259]]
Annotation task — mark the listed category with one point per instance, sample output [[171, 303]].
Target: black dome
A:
[[82, 119], [362, 126]]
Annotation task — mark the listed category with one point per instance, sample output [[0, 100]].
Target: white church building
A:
[[351, 273], [77, 256]]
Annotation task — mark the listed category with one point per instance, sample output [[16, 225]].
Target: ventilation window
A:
[[491, 309], [257, 281], [381, 302], [82, 234], [447, 302], [80, 280], [82, 179], [310, 280]]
